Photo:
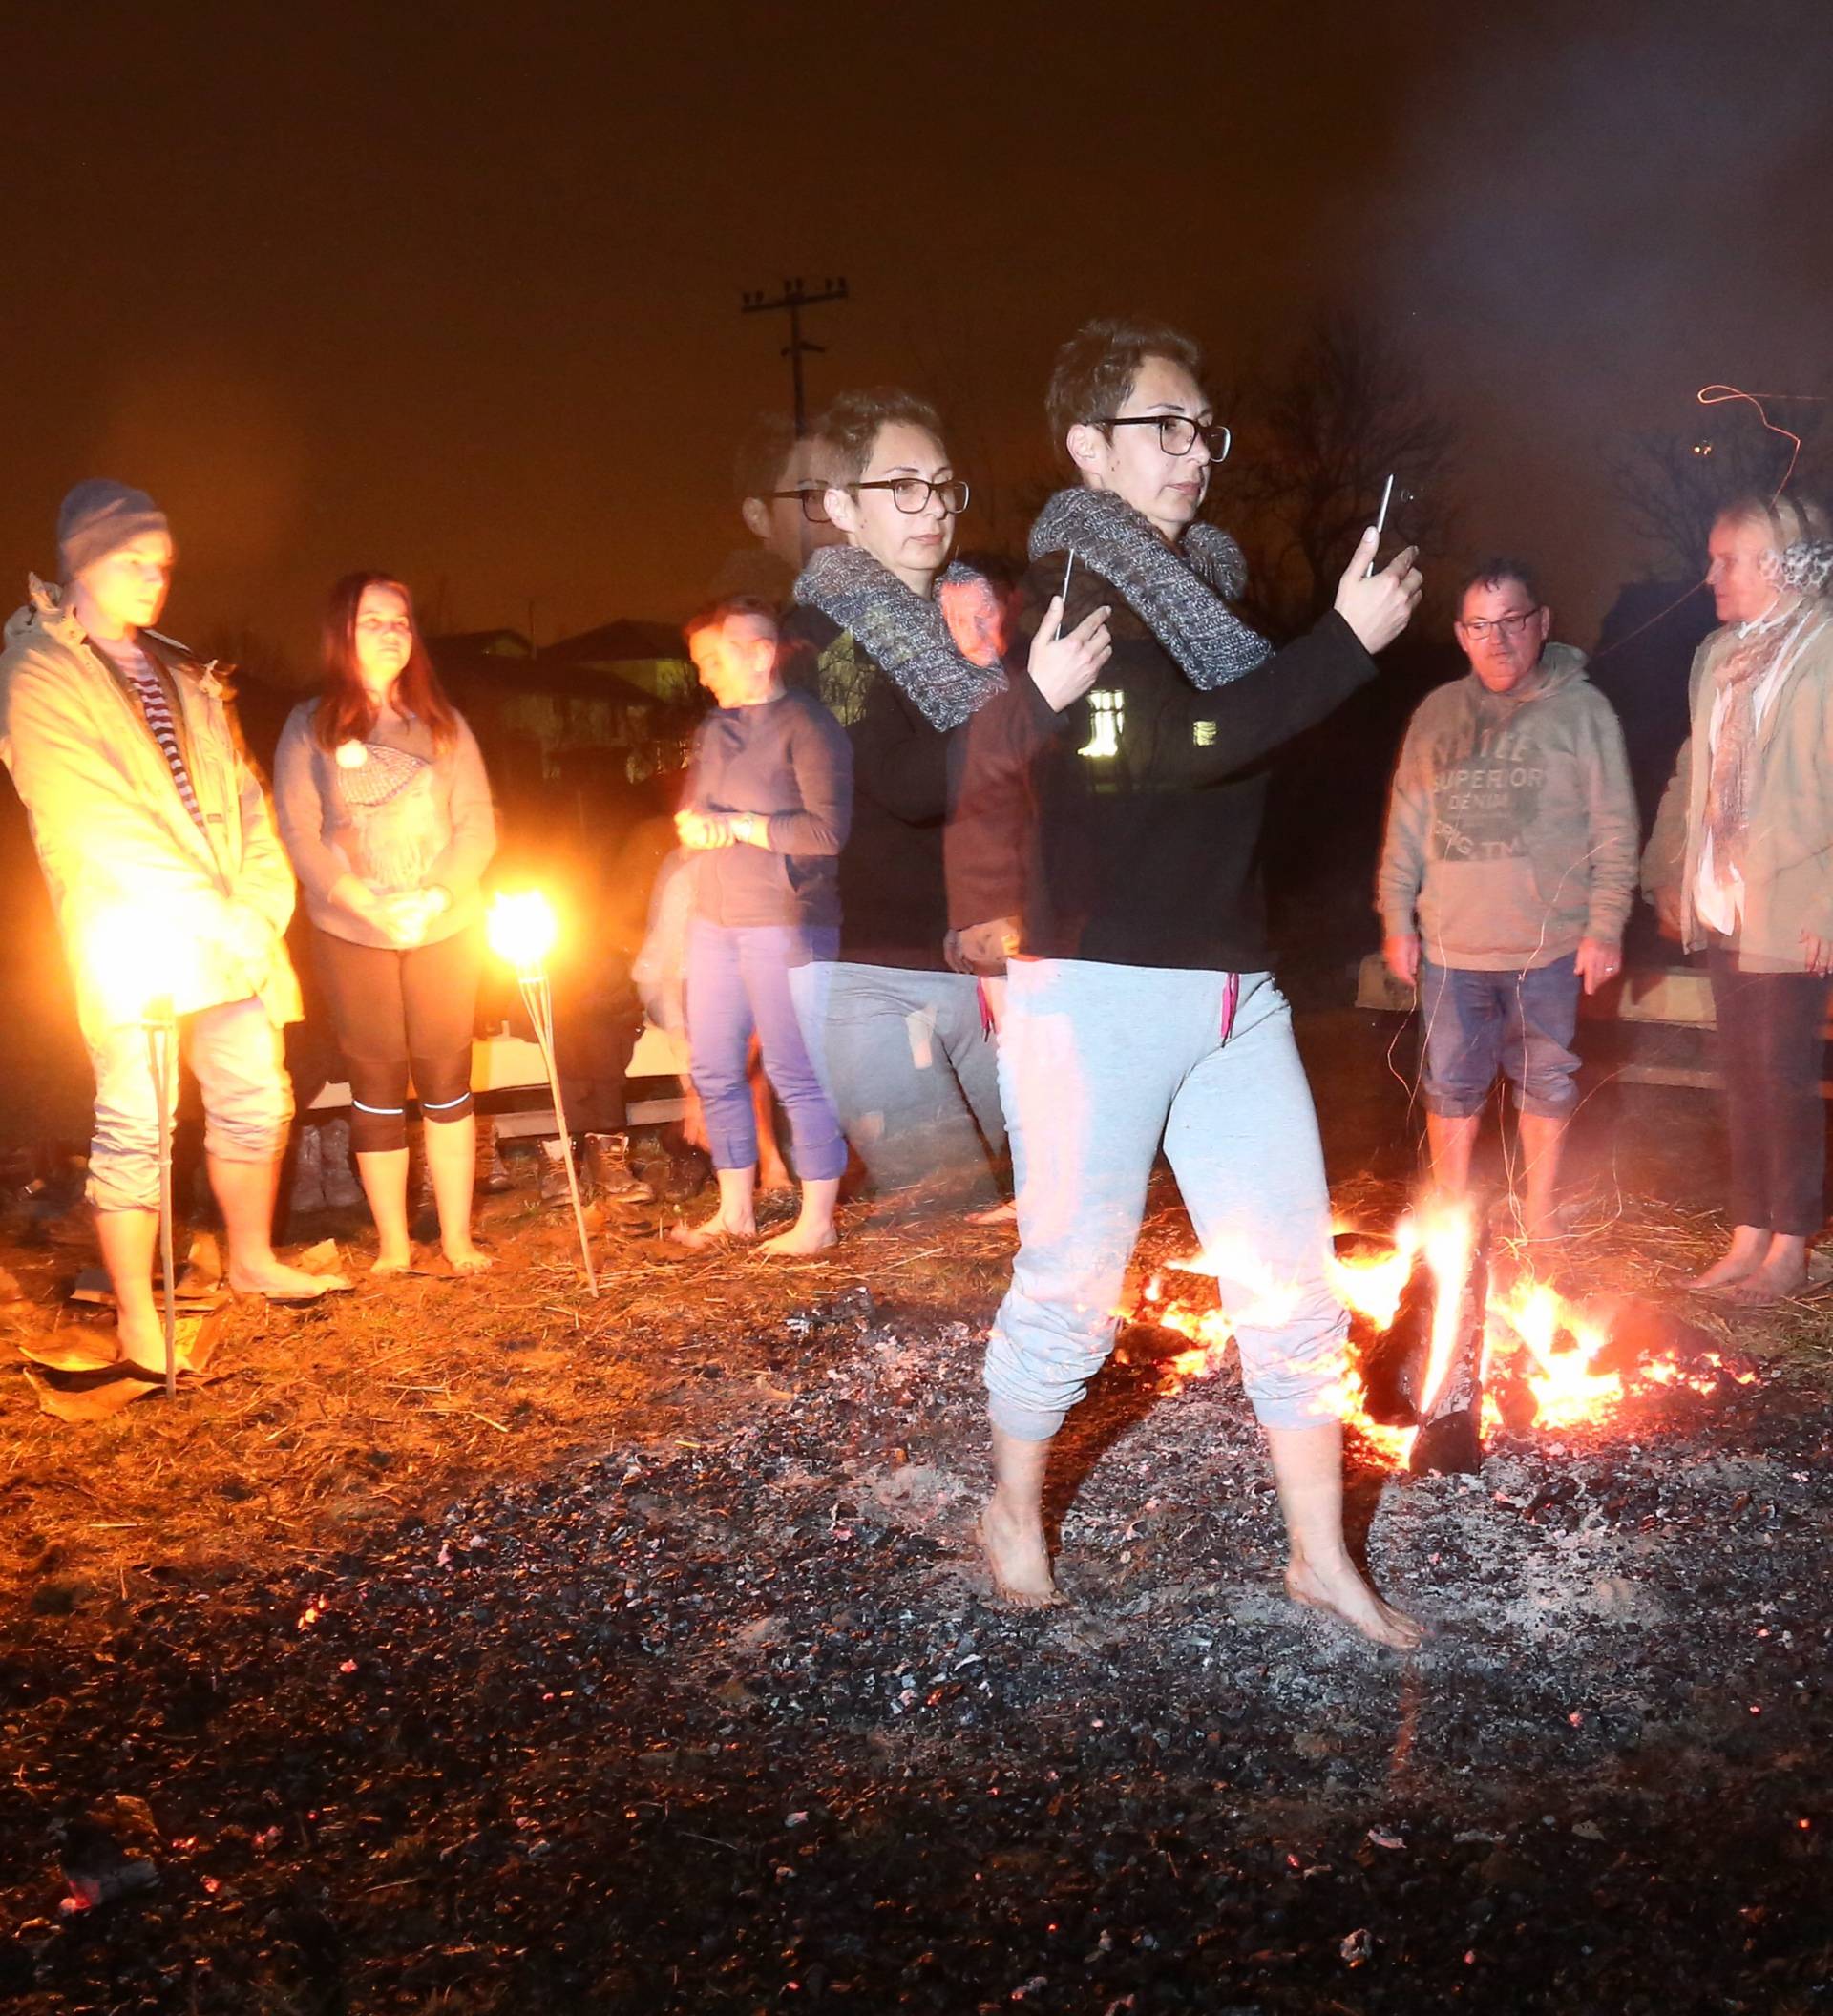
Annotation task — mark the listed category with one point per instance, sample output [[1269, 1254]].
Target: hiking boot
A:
[[309, 1173], [553, 1190], [608, 1170], [342, 1192], [492, 1172]]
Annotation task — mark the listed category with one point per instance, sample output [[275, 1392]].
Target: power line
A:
[[792, 299]]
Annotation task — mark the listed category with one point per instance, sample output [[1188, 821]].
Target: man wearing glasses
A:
[[1506, 878], [896, 1032], [780, 484]]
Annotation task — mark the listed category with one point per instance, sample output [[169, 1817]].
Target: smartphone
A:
[[1381, 521]]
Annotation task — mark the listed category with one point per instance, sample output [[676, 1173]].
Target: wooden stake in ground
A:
[[522, 930], [161, 1028]]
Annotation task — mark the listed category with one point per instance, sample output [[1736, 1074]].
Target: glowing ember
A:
[[1536, 1342]]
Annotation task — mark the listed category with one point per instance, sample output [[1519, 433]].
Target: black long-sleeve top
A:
[[894, 903], [1148, 856]]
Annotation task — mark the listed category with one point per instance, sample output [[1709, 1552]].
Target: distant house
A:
[[619, 702]]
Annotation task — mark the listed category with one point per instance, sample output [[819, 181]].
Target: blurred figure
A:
[[386, 811], [1738, 865], [781, 485], [897, 1033], [767, 806], [1511, 842], [168, 881], [1104, 845]]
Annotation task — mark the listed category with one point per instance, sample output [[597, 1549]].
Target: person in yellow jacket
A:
[[169, 883]]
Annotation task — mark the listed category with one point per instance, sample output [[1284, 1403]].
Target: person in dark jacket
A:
[[1106, 848], [899, 1036], [766, 808]]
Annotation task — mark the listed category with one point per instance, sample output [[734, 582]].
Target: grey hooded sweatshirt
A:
[[1511, 825]]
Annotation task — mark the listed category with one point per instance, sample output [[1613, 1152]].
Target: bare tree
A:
[[1321, 439], [1673, 484]]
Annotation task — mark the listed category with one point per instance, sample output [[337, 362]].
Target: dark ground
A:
[[484, 1649]]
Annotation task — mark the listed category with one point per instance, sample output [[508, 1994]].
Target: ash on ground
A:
[[636, 1656]]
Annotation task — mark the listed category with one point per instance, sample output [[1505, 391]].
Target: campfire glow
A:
[[523, 929], [1542, 1357]]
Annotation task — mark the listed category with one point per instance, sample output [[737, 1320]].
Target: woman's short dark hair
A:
[[854, 421], [1098, 368]]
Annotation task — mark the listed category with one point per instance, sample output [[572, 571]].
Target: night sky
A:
[[455, 290]]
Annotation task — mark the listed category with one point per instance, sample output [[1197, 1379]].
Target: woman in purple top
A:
[[765, 815]]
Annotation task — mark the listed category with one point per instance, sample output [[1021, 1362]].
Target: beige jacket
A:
[[1788, 854], [146, 903]]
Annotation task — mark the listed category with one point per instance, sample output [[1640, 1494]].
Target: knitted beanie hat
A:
[[98, 517]]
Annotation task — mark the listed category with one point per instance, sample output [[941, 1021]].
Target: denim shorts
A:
[[1474, 1024]]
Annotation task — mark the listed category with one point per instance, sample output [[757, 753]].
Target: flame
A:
[[131, 964], [1566, 1390], [523, 929], [1532, 1335]]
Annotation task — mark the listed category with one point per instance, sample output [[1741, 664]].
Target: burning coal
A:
[[1441, 1353]]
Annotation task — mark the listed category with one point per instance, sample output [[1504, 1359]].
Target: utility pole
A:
[[793, 299]]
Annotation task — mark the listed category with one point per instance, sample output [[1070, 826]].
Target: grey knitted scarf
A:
[[905, 635], [1180, 595]]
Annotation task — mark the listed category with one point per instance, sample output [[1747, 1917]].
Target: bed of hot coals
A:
[[682, 1690]]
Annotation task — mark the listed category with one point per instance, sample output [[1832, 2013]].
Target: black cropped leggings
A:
[[401, 1014]]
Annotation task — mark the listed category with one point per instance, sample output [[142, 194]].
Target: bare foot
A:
[[1748, 1250], [274, 1278], [1018, 1556], [142, 1340], [466, 1259], [996, 1213], [712, 1231], [1344, 1594], [392, 1263], [801, 1239], [1783, 1275]]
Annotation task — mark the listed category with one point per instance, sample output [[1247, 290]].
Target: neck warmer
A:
[[1178, 593], [904, 634]]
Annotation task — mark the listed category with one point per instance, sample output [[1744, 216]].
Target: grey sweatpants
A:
[[906, 1065], [1097, 1066]]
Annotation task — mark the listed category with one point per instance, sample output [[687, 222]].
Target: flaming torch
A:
[[522, 930]]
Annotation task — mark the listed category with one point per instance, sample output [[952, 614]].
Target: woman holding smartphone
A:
[[386, 811]]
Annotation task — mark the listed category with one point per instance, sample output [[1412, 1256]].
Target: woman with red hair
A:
[[386, 811]]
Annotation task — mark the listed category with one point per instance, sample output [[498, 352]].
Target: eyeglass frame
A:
[[1160, 421], [930, 490], [812, 499], [1514, 624]]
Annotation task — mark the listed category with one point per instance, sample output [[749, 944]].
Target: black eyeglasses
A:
[[1503, 626], [1177, 433], [813, 508], [912, 494]]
